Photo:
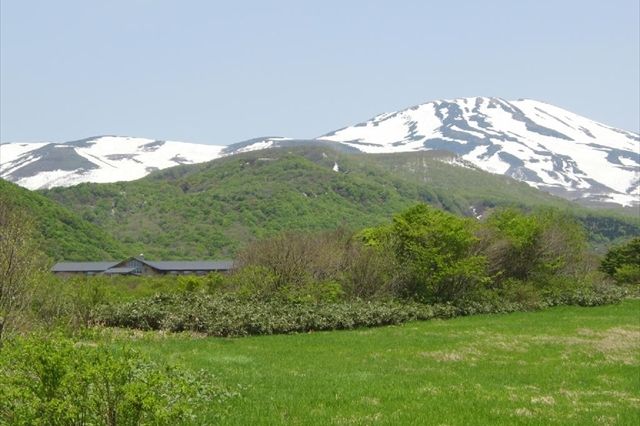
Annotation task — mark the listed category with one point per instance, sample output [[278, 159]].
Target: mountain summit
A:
[[547, 147], [96, 159]]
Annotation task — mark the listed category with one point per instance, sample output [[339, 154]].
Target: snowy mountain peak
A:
[[548, 147], [543, 145], [95, 159]]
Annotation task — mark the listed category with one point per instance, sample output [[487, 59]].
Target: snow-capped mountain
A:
[[548, 147], [545, 146], [97, 159]]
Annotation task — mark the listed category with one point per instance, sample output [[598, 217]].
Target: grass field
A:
[[566, 365]]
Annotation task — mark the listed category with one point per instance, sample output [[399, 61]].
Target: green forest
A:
[[214, 209]]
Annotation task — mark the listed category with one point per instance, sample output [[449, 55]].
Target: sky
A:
[[220, 72]]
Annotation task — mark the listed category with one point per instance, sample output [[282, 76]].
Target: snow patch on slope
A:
[[545, 146], [101, 159]]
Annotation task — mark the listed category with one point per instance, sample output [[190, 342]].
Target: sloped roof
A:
[[82, 266], [190, 265], [169, 265]]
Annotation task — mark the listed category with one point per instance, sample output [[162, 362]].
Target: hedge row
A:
[[232, 316]]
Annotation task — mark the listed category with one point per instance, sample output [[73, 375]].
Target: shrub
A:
[[296, 258], [369, 273], [533, 247], [623, 262], [433, 254], [21, 266], [230, 315], [627, 274], [52, 380]]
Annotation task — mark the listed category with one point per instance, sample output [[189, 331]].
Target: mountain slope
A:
[[96, 159], [62, 234], [547, 147], [214, 208]]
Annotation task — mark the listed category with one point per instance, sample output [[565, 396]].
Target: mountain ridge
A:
[[547, 147], [213, 209]]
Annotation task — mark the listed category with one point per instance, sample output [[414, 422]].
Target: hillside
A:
[[547, 147], [61, 233], [212, 209]]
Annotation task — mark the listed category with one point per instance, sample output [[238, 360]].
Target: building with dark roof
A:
[[141, 266]]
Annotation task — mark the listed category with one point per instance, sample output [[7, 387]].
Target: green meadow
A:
[[564, 365]]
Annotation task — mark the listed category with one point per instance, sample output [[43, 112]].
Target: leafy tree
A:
[[433, 252], [623, 262], [21, 265], [535, 246]]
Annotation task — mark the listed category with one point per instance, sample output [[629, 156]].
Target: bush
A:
[[230, 315], [433, 254], [627, 274], [52, 380], [623, 262], [296, 258], [533, 247], [21, 266]]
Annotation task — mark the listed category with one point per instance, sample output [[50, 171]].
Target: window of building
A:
[[136, 265]]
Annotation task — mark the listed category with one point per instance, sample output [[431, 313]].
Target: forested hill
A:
[[61, 233], [212, 209]]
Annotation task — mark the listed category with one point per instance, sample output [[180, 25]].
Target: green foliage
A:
[[627, 274], [229, 315], [60, 233], [253, 281], [535, 246], [432, 254], [50, 380], [21, 267], [623, 262], [232, 316], [214, 209]]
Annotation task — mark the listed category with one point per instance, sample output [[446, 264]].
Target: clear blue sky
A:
[[223, 71]]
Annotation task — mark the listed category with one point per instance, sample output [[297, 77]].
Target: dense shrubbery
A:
[[50, 380], [433, 254], [229, 315], [622, 263], [426, 263], [423, 260], [233, 316]]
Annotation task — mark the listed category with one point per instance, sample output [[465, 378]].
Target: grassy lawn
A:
[[566, 365]]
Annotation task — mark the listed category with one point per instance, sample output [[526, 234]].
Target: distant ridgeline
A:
[[547, 147]]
